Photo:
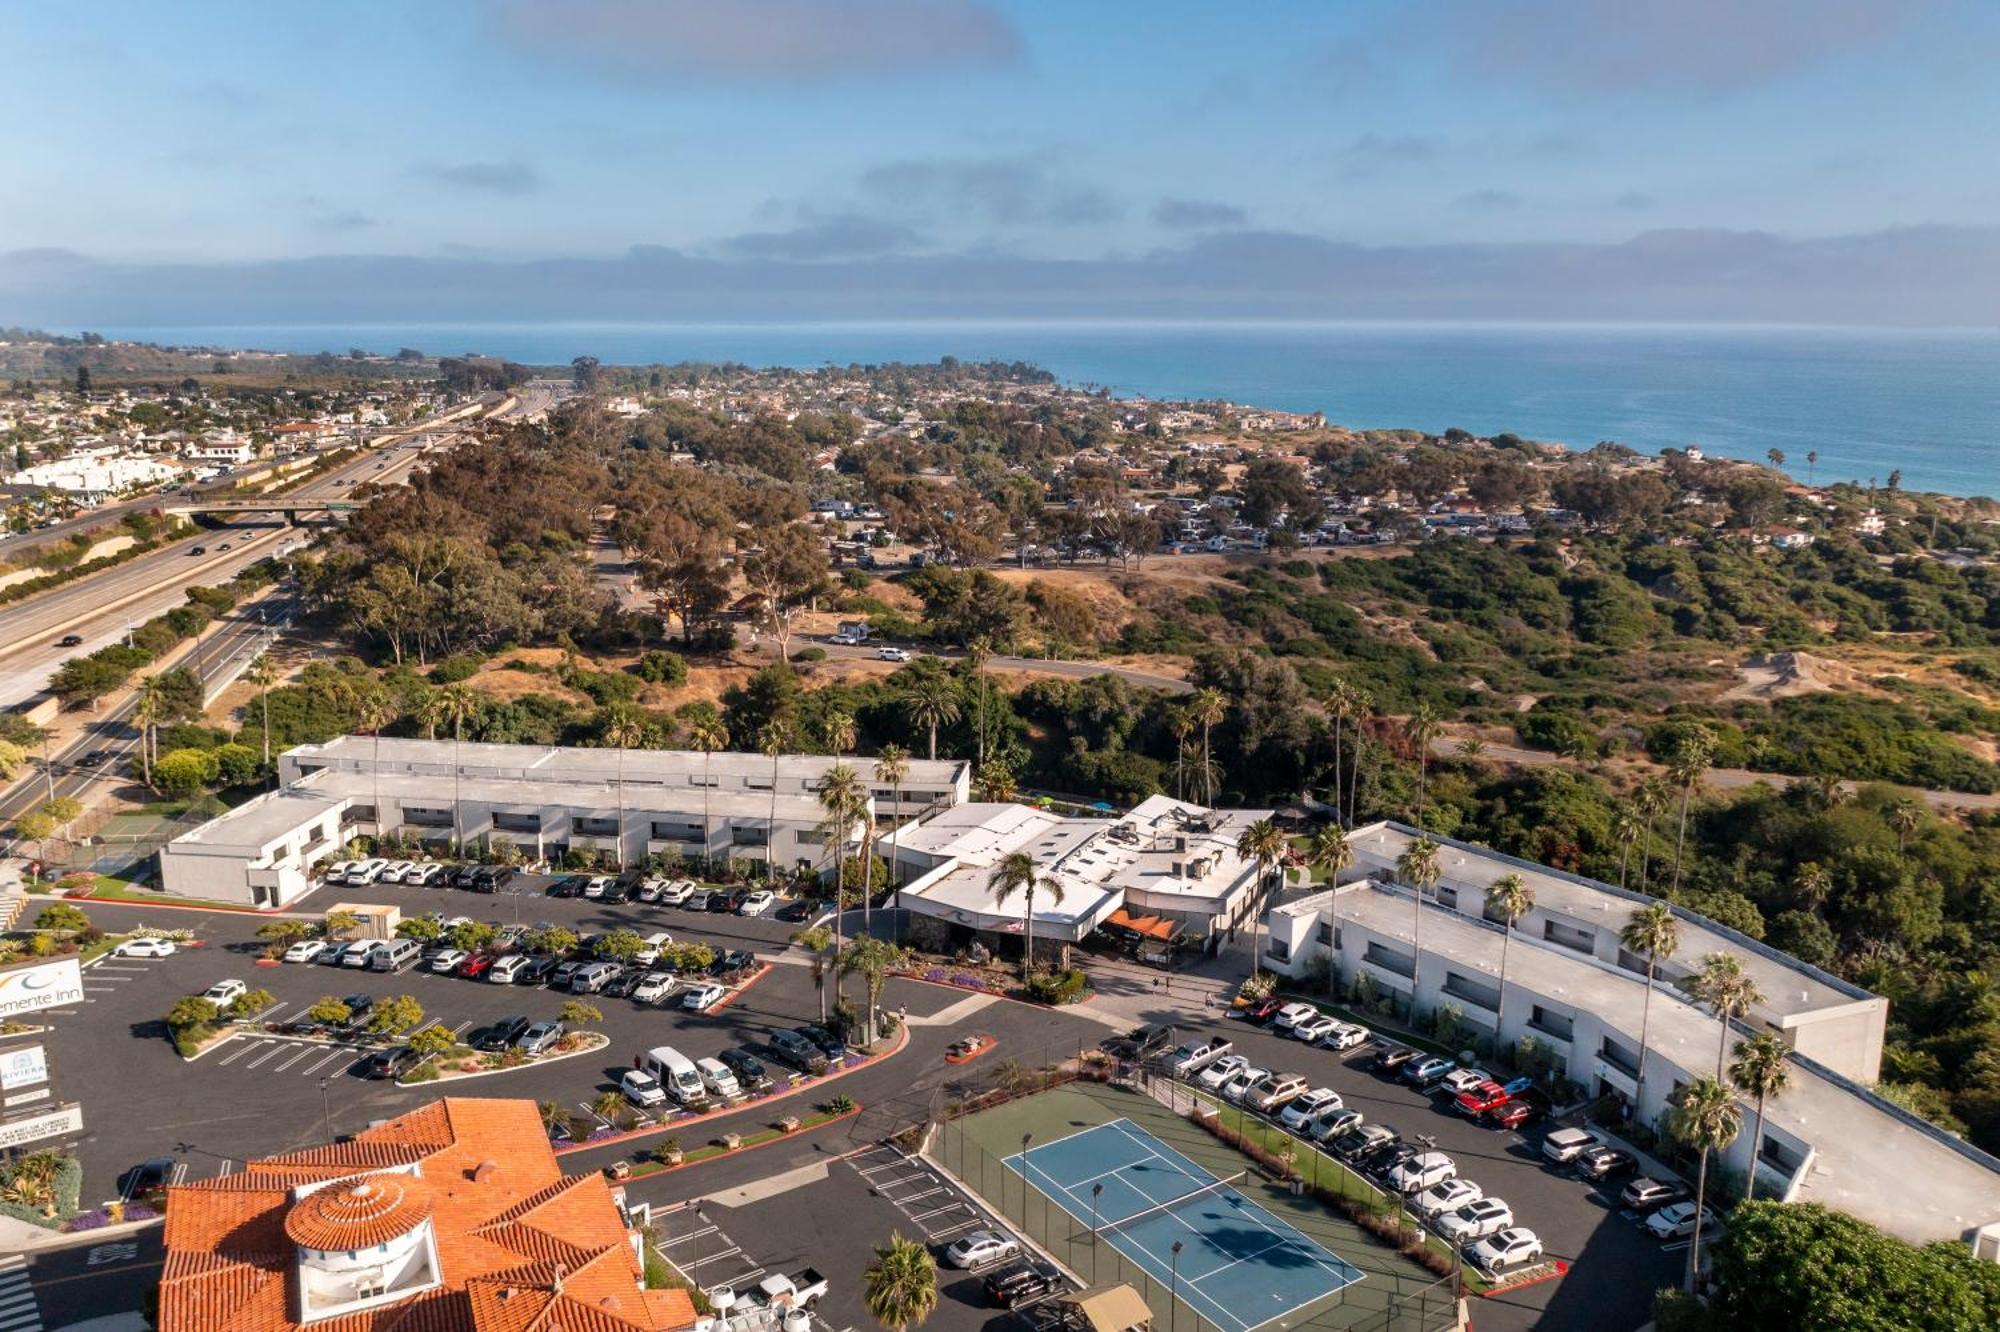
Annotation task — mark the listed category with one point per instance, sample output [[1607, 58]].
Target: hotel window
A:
[[1572, 937]]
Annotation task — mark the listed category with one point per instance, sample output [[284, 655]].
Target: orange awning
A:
[[1153, 927]]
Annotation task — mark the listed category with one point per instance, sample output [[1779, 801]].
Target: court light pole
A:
[[1026, 1138], [326, 1110], [1096, 1191], [1174, 1288], [700, 1224]]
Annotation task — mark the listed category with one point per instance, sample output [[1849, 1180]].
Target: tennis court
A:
[[1229, 1259]]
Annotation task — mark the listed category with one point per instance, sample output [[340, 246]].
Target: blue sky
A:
[[960, 137]]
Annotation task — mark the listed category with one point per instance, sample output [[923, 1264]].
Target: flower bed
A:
[[474, 1064], [112, 1214], [828, 1114]]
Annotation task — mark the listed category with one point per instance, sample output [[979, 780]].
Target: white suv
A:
[[1509, 1248], [1422, 1172], [1475, 1220]]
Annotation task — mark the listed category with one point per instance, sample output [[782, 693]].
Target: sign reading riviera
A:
[[31, 989]]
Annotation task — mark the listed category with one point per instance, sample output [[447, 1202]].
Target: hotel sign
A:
[[40, 986], [23, 1066], [37, 1128]]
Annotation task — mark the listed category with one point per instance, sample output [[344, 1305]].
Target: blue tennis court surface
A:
[[1239, 1266]]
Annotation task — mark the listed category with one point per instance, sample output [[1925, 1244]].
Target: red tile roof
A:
[[521, 1248]]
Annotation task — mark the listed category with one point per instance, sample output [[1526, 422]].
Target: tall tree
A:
[[787, 569], [1905, 816], [1418, 866], [1016, 874], [1180, 725], [374, 708], [623, 728], [1208, 707], [1648, 802], [932, 701], [775, 738], [1651, 932], [817, 940], [1364, 704], [1687, 766], [901, 1284], [1509, 898], [454, 705], [892, 769], [147, 709], [708, 734], [1263, 843], [261, 675], [1726, 987], [1421, 729], [1705, 1118], [1331, 853], [1761, 1070], [844, 798]]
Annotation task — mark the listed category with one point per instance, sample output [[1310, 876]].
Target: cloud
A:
[[1930, 275], [1634, 201], [510, 177], [324, 215], [655, 41], [1488, 199], [844, 237], [1565, 48], [1009, 191], [1371, 153], [1197, 215]]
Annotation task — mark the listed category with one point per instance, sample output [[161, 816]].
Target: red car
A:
[[1525, 1108], [476, 966], [1486, 1096], [1263, 1010]]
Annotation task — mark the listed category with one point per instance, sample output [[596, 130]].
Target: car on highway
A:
[[96, 758], [1504, 1249], [224, 546], [1475, 1220], [981, 1248], [892, 654], [198, 550], [145, 947], [70, 640], [225, 992]]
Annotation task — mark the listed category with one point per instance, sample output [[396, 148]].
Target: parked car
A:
[[149, 1177], [306, 950], [1015, 1286], [653, 987], [1220, 1071], [1527, 1108], [1676, 1221], [1138, 1043], [703, 997], [1646, 1194], [728, 900], [360, 1007], [827, 1043], [1427, 1071], [1262, 1010], [540, 1037], [503, 1033], [649, 889], [145, 947], [1503, 1249], [732, 961], [226, 992], [1307, 1106], [595, 887], [1596, 1163], [757, 903], [1197, 1055], [1463, 1079], [892, 654], [1475, 1220], [1359, 1143], [1314, 1029], [447, 961], [563, 973], [1238, 1084], [1488, 1095], [796, 1050], [750, 1072], [509, 969], [540, 967], [1334, 1124], [642, 1089], [677, 893], [1565, 1145], [1390, 1058], [1274, 1092], [623, 983], [696, 900], [1449, 1196], [1423, 1171], [981, 1248], [1290, 1015], [571, 886], [391, 1063]]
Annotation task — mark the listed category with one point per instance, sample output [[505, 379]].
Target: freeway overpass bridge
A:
[[293, 508]]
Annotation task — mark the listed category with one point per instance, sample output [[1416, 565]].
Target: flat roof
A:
[[255, 824], [639, 766], [604, 797], [1869, 1160], [1789, 986]]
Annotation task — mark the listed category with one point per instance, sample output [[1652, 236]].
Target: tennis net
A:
[[1214, 1186]]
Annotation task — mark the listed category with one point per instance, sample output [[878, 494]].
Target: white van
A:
[[715, 1076], [676, 1073], [395, 955]]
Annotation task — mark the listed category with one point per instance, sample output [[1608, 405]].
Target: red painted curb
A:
[[636, 1176], [1559, 1269]]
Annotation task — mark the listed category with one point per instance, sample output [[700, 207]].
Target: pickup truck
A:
[[777, 1304]]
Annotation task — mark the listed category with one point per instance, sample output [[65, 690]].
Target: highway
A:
[[101, 607]]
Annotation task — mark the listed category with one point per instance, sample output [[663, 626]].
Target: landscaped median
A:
[[670, 1156]]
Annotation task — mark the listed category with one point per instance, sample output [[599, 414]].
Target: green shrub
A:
[[667, 668], [456, 668], [1056, 987]]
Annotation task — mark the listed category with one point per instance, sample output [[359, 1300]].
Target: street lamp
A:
[[325, 1109], [1096, 1191], [1174, 1288], [1026, 1138], [700, 1224]]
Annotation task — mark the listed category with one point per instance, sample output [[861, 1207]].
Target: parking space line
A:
[[277, 1048], [304, 1052], [323, 1061], [243, 1049]]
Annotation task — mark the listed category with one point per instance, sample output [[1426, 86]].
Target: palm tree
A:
[[374, 709], [1330, 852], [845, 800], [818, 943], [1905, 817], [260, 674], [1686, 766], [708, 734], [836, 730], [976, 656], [1762, 1070], [1418, 867], [1364, 703], [1651, 932], [1724, 986], [1705, 1118], [901, 1284], [1180, 725], [1627, 829], [1262, 842], [453, 706], [147, 711], [1648, 802], [1016, 874], [1776, 456], [1812, 461], [1812, 883], [775, 739], [892, 768], [1422, 728], [1339, 705], [872, 959], [933, 702], [623, 728], [1207, 707], [1509, 898]]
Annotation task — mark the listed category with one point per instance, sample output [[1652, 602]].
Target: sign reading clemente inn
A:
[[39, 986]]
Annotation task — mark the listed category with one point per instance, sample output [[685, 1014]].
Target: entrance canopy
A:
[[1151, 927]]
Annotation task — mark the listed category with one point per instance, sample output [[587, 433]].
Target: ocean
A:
[[1869, 402]]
